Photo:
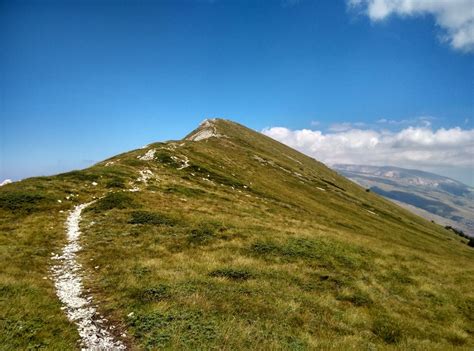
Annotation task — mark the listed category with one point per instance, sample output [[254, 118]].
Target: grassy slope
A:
[[235, 252]]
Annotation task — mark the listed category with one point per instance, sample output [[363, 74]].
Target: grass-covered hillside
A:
[[230, 240]]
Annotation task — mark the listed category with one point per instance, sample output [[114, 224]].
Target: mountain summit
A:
[[226, 239], [207, 129]]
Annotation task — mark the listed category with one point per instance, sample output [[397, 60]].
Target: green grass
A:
[[234, 254]]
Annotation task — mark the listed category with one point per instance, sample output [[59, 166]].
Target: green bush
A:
[[358, 298], [22, 201], [201, 234], [165, 158], [113, 200], [231, 273], [456, 339], [115, 183], [328, 253], [140, 271], [401, 277], [145, 217], [155, 293], [264, 248], [387, 329]]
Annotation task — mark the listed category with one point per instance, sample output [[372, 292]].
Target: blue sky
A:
[[84, 80]]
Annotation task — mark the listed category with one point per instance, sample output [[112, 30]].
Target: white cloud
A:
[[455, 17], [424, 121], [416, 147], [341, 127]]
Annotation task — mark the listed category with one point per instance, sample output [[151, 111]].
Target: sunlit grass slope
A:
[[233, 242]]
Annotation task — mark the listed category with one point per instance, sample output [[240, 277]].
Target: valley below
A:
[[434, 197]]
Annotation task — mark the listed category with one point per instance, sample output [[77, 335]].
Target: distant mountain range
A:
[[441, 199]]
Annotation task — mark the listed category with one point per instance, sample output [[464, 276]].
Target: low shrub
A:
[[201, 234], [133, 162], [113, 200], [146, 217], [264, 248], [358, 298], [115, 183], [400, 277], [328, 253], [470, 242], [456, 231], [231, 273], [165, 158], [178, 189], [190, 329], [387, 329], [466, 308], [155, 293], [22, 201], [456, 339], [140, 271]]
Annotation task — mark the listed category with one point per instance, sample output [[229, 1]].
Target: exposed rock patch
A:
[[206, 130], [67, 275]]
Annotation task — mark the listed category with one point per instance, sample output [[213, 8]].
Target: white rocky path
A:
[[67, 275]]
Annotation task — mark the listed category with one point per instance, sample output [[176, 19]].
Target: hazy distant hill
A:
[[432, 196]]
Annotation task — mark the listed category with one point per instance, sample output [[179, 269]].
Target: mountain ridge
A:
[[186, 240]]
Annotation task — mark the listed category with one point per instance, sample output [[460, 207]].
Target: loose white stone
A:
[[206, 130], [68, 282], [184, 163], [149, 155]]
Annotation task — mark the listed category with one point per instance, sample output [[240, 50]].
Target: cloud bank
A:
[[411, 147], [455, 17]]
